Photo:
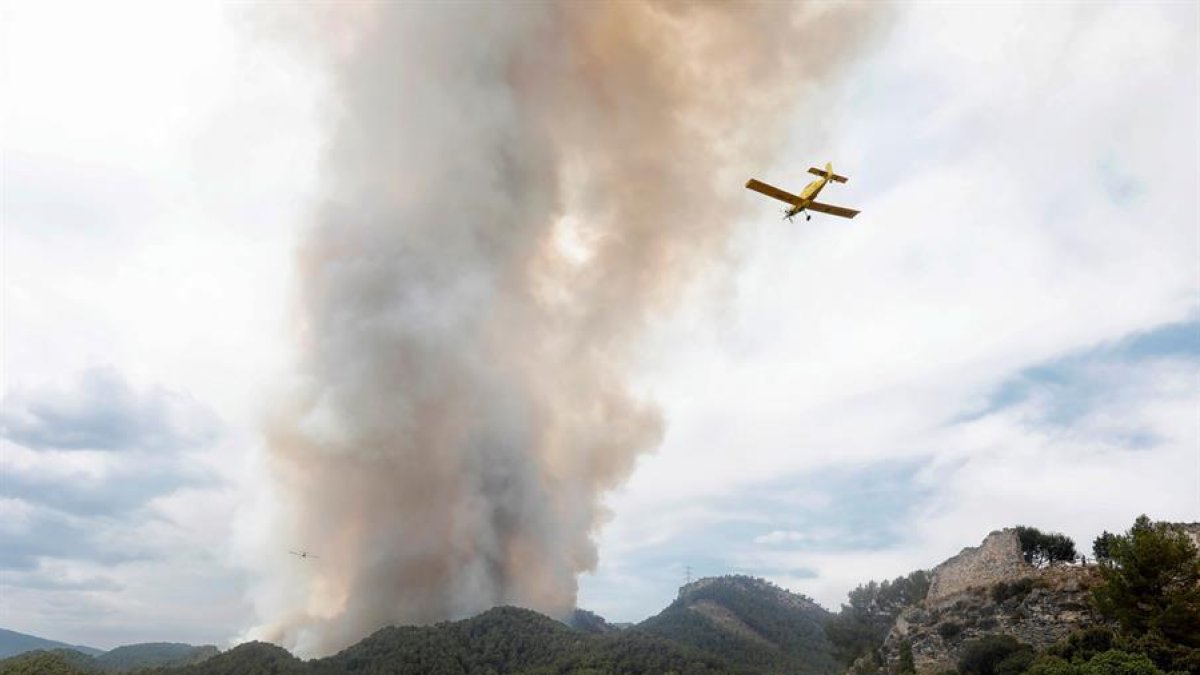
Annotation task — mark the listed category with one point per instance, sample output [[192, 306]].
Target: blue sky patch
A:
[[1069, 385]]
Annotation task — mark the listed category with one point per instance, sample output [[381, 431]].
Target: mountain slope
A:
[[501, 640], [748, 621], [53, 662], [152, 654], [13, 643], [513, 640], [248, 658]]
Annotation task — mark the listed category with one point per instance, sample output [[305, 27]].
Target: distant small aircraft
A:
[[806, 201], [302, 554]]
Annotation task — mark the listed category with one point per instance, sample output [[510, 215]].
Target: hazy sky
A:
[[1007, 334]]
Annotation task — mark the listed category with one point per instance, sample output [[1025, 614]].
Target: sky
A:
[[1009, 333]]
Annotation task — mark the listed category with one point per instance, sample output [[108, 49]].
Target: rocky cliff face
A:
[[1038, 608], [990, 590]]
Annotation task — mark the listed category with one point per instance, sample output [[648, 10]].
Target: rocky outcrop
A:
[[1038, 609], [990, 590]]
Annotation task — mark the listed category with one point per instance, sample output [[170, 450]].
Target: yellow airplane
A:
[[806, 201]]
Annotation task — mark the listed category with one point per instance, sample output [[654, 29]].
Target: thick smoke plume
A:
[[510, 190]]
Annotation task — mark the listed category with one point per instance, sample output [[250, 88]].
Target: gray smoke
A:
[[509, 191]]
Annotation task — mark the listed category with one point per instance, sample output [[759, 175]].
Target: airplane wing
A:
[[772, 191], [820, 172], [832, 210]]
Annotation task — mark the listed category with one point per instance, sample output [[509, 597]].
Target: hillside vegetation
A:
[[1136, 611], [750, 622]]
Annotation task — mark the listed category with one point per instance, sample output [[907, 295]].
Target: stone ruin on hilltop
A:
[[997, 559]]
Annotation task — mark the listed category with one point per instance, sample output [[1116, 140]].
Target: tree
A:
[[1041, 548], [1102, 545], [907, 666], [1151, 582], [861, 626]]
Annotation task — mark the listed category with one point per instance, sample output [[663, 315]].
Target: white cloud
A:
[[156, 166], [780, 537]]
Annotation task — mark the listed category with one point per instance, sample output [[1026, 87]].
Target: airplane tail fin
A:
[[827, 171]]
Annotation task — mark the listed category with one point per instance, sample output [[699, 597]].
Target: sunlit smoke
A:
[[509, 192]]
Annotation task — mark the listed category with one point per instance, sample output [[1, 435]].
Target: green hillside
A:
[[748, 621], [52, 662], [249, 658], [151, 654]]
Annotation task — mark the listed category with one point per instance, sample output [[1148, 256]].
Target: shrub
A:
[[1082, 645], [949, 630], [1115, 662], [986, 655], [1167, 655], [1051, 665], [1003, 590], [1015, 663], [907, 666]]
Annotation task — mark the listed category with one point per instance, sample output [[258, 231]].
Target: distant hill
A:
[[504, 639], [501, 640], [49, 656], [13, 643], [249, 658], [748, 621], [42, 662], [154, 654], [513, 640]]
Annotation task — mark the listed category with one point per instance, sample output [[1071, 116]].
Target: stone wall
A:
[[998, 558]]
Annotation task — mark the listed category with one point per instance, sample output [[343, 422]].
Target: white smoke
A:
[[509, 191]]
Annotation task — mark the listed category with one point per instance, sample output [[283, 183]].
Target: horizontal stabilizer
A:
[[772, 191], [821, 172], [832, 210]]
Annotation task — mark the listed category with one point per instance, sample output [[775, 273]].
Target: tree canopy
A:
[[1152, 582], [1045, 548]]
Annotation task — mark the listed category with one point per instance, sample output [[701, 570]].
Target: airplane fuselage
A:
[[808, 195]]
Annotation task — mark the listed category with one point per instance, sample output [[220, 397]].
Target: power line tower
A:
[[689, 576]]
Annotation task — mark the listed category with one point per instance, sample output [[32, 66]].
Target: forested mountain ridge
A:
[[748, 621], [122, 659], [1022, 603], [501, 640]]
